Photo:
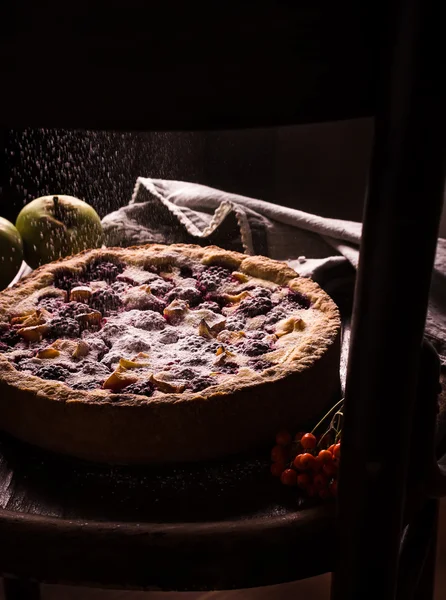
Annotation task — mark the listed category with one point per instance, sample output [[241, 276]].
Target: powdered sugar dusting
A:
[[179, 327]]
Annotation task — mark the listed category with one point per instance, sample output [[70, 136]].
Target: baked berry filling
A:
[[151, 330]]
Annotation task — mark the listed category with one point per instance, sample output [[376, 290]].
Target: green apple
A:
[[11, 252], [56, 226]]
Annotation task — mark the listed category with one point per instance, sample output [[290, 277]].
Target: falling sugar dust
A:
[[96, 166]]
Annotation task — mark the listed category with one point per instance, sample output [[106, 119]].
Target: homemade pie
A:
[[156, 354]]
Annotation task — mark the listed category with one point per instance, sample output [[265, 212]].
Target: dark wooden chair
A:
[[249, 67]]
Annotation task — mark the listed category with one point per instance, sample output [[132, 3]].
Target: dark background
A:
[[318, 168]]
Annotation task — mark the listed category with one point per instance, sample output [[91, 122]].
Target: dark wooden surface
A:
[[175, 65], [226, 525], [34, 482]]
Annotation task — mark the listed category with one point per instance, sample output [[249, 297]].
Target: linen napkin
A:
[[325, 249]]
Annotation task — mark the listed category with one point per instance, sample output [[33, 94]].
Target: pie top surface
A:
[[160, 323]]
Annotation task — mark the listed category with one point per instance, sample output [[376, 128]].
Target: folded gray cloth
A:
[[327, 250]]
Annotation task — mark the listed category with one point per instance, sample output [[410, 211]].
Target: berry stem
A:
[[337, 414], [333, 408]]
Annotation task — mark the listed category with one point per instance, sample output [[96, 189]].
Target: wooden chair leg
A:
[[417, 555], [20, 589], [425, 589]]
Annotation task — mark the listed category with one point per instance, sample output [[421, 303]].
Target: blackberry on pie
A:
[[299, 298], [190, 294], [212, 278], [71, 310], [141, 388], [259, 364], [63, 327], [207, 305], [54, 372], [85, 385], [65, 279], [235, 323], [200, 383], [50, 303], [256, 347], [256, 305], [277, 314], [105, 300], [9, 337], [103, 271]]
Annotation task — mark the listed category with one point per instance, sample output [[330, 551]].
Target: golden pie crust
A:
[[240, 414]]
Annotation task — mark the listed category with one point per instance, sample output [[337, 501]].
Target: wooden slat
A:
[[174, 65], [213, 526]]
